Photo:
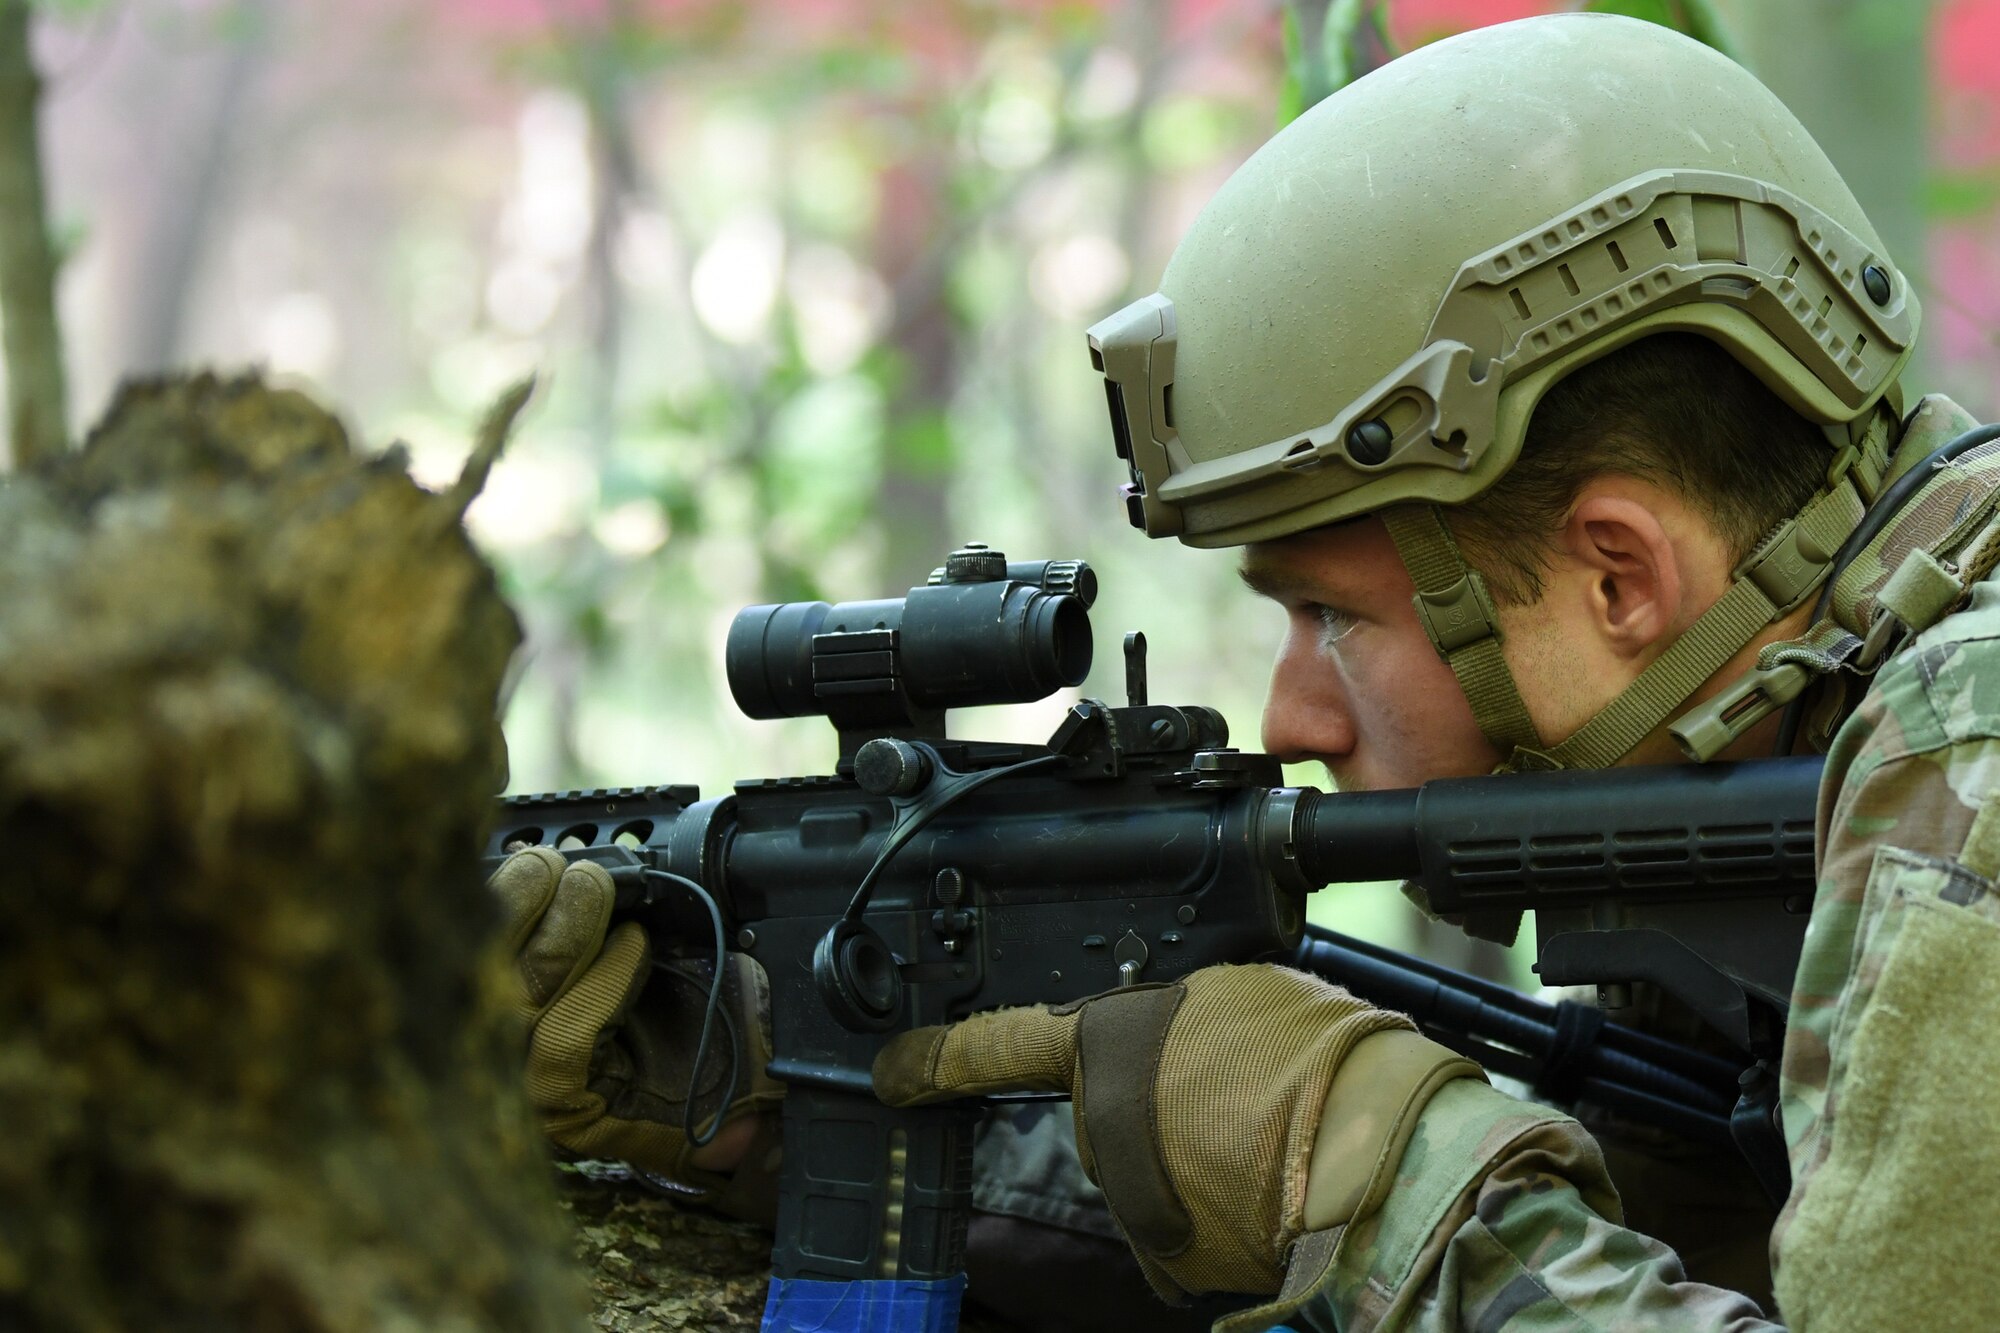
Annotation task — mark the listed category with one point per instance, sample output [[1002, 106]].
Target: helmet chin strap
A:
[[1458, 614]]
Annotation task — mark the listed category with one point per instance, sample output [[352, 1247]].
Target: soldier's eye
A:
[[1334, 625]]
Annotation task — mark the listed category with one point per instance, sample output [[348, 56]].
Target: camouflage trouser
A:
[[1043, 1252], [1025, 1166]]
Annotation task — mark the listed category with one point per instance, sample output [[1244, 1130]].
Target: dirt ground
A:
[[653, 1264]]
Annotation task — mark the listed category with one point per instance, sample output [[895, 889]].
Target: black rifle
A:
[[929, 878]]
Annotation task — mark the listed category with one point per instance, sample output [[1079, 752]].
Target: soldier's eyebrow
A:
[[1276, 584]]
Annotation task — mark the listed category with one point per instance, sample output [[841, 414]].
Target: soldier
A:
[[1548, 379]]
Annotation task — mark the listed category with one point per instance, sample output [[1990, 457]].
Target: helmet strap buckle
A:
[[1789, 564], [1458, 615]]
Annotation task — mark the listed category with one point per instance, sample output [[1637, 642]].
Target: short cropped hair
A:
[[1673, 409]]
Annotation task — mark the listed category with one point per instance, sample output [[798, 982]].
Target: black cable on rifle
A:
[[708, 1020], [900, 836]]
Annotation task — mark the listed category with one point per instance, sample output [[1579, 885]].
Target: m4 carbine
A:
[[928, 878]]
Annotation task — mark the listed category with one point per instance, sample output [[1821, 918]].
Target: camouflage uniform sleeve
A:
[[1503, 1218], [1898, 994]]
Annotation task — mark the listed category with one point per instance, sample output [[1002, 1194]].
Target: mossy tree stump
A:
[[252, 1073]]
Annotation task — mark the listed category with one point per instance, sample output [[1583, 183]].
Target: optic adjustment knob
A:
[[889, 767], [974, 563], [1072, 577]]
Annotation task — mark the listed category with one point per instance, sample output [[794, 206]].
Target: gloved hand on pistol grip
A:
[[1199, 1104], [612, 1035]]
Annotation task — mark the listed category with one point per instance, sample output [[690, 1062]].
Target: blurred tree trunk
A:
[[914, 256], [600, 78], [1855, 73], [254, 1066], [37, 401], [194, 179], [615, 180]]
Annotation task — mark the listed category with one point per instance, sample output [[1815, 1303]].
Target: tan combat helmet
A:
[[1364, 317]]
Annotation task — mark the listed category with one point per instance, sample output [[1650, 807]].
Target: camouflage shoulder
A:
[[1942, 689], [1954, 666], [1934, 422], [1881, 1077], [1906, 778]]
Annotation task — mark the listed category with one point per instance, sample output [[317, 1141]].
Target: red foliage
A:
[[1965, 56], [1415, 22], [1965, 36], [1962, 301]]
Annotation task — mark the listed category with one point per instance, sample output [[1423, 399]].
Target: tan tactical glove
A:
[[1198, 1105], [611, 1036]]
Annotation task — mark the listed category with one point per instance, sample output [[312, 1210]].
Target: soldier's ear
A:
[[1631, 573]]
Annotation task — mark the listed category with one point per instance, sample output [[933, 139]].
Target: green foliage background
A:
[[806, 281]]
